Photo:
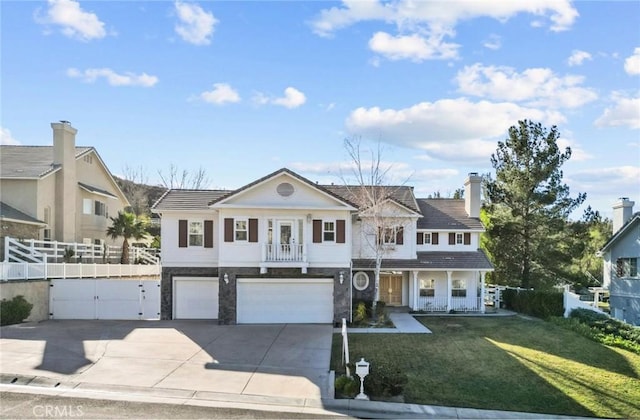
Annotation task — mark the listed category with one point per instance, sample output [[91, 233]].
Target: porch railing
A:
[[33, 271], [284, 253], [441, 304]]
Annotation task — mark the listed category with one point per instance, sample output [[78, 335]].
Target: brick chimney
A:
[[472, 186], [64, 155], [622, 211]]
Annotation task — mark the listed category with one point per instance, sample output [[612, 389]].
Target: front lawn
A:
[[507, 364]]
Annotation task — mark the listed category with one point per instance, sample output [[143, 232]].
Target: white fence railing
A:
[[33, 271], [458, 303], [572, 301], [34, 251], [345, 347], [284, 253]]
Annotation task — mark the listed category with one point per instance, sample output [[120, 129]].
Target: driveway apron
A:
[[283, 360]]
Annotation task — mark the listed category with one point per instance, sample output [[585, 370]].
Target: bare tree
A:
[[183, 179], [134, 187], [381, 220]]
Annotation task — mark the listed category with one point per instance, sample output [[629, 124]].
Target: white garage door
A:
[[195, 297], [278, 301], [124, 298]]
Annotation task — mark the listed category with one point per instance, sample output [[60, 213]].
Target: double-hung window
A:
[[627, 267], [427, 287], [388, 236], [459, 238], [241, 230], [196, 233], [329, 231], [458, 288]]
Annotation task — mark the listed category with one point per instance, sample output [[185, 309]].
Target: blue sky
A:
[[244, 88]]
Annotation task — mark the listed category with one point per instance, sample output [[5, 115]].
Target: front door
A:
[[391, 289], [285, 240]]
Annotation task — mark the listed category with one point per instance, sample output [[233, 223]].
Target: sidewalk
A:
[[404, 324], [329, 407]]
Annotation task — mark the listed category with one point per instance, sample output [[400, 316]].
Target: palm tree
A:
[[128, 226]]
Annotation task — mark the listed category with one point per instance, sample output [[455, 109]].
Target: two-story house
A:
[[621, 254], [62, 192], [285, 249]]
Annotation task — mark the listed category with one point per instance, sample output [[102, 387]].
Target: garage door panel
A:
[[285, 301], [196, 298], [73, 299]]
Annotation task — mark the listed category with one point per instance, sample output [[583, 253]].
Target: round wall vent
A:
[[285, 189]]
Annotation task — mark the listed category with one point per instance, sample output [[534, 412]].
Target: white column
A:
[[482, 291], [415, 290], [449, 305]]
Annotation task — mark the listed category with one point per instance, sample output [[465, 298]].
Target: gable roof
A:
[[187, 200], [400, 194], [635, 218], [446, 213], [30, 162], [289, 172], [10, 213]]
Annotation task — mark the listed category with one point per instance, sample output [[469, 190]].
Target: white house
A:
[[621, 254], [284, 249]]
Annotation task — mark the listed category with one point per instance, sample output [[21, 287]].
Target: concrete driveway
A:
[[284, 360]]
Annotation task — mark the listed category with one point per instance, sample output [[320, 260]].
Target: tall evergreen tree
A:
[[528, 208]]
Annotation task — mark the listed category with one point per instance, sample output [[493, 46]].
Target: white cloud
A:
[[494, 42], [74, 22], [613, 181], [534, 87], [578, 57], [411, 47], [632, 63], [220, 94], [625, 112], [448, 129], [423, 25], [6, 138], [195, 26], [113, 78], [292, 98], [578, 154]]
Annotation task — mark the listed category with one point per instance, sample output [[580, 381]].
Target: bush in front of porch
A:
[[365, 317]]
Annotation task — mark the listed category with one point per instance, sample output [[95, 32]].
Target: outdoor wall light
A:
[[226, 278], [341, 277], [308, 217]]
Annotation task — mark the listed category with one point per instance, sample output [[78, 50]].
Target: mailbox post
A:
[[362, 370]]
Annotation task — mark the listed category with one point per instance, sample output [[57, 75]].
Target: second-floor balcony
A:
[[284, 255]]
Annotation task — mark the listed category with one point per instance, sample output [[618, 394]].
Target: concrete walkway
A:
[[404, 324]]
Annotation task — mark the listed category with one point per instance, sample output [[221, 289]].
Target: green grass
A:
[[507, 364]]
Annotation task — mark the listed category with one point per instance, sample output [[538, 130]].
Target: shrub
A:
[[346, 386], [385, 379], [360, 315], [14, 311], [541, 304]]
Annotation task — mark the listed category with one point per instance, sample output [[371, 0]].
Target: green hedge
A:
[[14, 311], [535, 303]]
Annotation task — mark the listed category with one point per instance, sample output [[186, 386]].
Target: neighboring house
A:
[[60, 193], [285, 249], [621, 255]]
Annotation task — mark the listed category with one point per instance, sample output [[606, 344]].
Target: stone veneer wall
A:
[[367, 294], [16, 231], [166, 284], [228, 292]]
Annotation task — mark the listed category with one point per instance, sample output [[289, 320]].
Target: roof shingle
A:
[[29, 161], [187, 199], [445, 213], [433, 260]]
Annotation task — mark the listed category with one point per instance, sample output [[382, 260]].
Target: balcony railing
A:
[[284, 253], [441, 304]]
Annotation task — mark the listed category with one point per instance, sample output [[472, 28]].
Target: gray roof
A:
[[401, 194], [445, 213], [29, 161], [635, 217], [434, 260], [187, 199], [8, 212], [96, 190]]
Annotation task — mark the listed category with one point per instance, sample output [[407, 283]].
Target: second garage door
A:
[[195, 298], [277, 301]]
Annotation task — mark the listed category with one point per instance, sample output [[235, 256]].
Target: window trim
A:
[[360, 274], [433, 289], [87, 206], [459, 291], [326, 231], [459, 238], [389, 233], [625, 267], [190, 223], [236, 230], [427, 238]]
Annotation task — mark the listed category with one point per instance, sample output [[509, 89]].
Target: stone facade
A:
[[17, 231], [166, 284], [35, 292], [367, 294]]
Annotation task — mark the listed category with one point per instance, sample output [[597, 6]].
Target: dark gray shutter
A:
[[340, 231], [317, 231], [420, 238], [434, 238], [253, 230], [208, 233], [400, 236], [228, 230], [467, 239], [452, 238], [182, 233]]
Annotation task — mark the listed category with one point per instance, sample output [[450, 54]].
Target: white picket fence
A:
[[572, 301]]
